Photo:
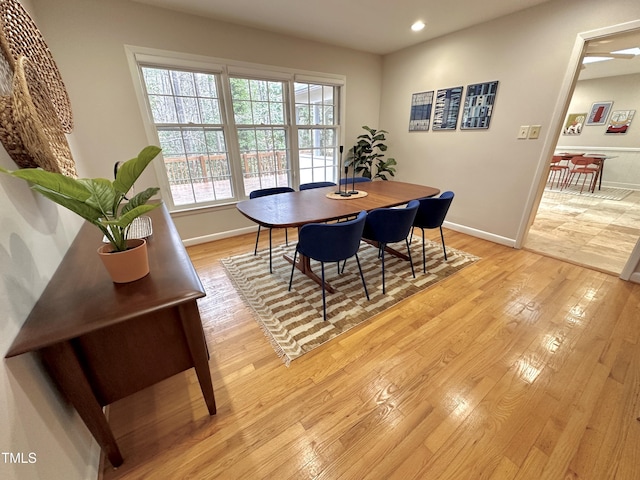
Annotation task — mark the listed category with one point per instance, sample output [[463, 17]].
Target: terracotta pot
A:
[[127, 266]]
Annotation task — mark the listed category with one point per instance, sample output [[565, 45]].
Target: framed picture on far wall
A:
[[599, 113], [478, 105], [447, 106], [421, 104], [574, 123], [620, 121]]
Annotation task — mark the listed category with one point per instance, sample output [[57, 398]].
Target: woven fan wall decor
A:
[[19, 36], [37, 123], [9, 135]]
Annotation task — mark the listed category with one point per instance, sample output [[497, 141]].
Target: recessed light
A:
[[419, 25]]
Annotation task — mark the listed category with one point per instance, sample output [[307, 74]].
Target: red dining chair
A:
[[558, 170], [584, 166]]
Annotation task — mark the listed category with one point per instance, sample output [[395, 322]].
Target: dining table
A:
[[317, 205]]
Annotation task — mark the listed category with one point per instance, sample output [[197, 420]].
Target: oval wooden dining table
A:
[[295, 209]]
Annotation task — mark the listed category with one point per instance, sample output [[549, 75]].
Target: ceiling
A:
[[611, 68], [382, 26], [375, 26]]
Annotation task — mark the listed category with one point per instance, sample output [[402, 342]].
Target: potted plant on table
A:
[[367, 155], [100, 202]]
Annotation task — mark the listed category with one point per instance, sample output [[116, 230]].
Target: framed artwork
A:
[[421, 104], [599, 113], [478, 105], [574, 123], [620, 121], [447, 106]]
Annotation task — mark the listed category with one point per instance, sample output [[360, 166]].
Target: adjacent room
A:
[[598, 229], [358, 257]]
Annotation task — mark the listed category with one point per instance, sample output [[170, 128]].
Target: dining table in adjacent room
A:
[[295, 209]]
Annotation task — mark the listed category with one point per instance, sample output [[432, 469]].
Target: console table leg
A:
[[61, 361], [192, 326]]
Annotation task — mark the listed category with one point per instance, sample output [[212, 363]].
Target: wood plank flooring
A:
[[519, 367], [592, 232]]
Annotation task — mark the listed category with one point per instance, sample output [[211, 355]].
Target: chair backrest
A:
[[433, 210], [352, 179], [585, 161], [331, 242], [264, 192], [310, 185], [388, 225]]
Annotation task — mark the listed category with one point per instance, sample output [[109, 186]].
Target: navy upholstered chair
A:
[[309, 186], [330, 242], [431, 214], [352, 179], [263, 193], [390, 225]]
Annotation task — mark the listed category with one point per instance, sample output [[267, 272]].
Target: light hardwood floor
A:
[[518, 367], [587, 231]]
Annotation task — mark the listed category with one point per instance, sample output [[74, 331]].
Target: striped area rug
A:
[[293, 322], [606, 193]]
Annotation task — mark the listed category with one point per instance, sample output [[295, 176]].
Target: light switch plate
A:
[[523, 132], [534, 132]]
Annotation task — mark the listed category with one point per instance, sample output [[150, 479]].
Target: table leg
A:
[[388, 249], [304, 265], [65, 368], [192, 326]]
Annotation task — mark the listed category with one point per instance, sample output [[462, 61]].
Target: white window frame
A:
[[137, 56]]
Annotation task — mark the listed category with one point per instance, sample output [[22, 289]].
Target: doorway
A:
[[593, 230]]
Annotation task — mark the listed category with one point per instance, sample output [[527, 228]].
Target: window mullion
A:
[[231, 132]]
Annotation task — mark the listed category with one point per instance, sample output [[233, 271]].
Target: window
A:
[[262, 132], [224, 133], [316, 118], [186, 113]]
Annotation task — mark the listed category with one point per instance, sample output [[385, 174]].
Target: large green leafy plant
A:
[[99, 200], [368, 155]]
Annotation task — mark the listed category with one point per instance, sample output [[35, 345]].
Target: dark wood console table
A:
[[103, 341]]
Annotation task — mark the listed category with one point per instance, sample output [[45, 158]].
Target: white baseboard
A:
[[218, 236], [509, 242]]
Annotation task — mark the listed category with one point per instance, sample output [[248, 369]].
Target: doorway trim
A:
[[553, 133]]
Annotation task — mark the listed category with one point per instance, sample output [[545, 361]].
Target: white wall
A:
[[87, 38], [492, 172], [622, 171], [34, 419]]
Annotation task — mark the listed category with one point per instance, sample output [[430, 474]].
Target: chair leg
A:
[[255, 250], [293, 268], [381, 254], [424, 256], [286, 237], [324, 301], [413, 272], [443, 247], [366, 292]]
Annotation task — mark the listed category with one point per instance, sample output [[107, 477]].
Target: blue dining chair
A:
[[355, 180], [310, 185], [390, 225], [330, 242], [264, 192], [431, 214]]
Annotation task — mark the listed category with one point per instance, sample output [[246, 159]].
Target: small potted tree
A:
[[367, 156], [100, 202]]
